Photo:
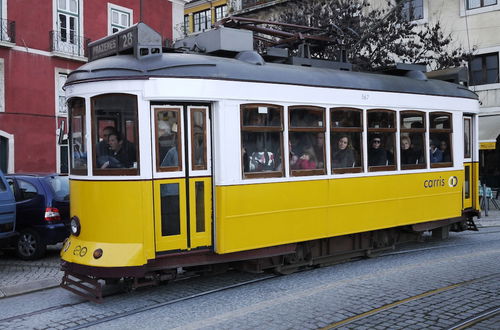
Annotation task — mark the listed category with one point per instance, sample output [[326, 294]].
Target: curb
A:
[[27, 287]]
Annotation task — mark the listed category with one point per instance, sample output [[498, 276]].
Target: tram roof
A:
[[181, 65]]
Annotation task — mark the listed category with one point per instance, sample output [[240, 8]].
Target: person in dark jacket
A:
[[344, 155], [377, 156], [408, 154], [122, 153]]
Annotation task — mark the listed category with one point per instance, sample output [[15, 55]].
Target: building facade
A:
[[40, 43], [199, 15]]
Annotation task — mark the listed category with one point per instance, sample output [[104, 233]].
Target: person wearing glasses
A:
[[377, 156]]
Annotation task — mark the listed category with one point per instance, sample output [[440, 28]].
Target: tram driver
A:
[[121, 153]]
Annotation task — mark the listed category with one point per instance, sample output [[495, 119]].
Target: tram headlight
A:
[[75, 226]]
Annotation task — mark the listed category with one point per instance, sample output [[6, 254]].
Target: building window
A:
[[484, 69], [262, 140], [220, 12], [62, 108], [473, 4], [381, 139], [68, 20], [346, 140], [119, 18], [413, 10], [202, 20], [440, 146], [186, 25], [306, 141]]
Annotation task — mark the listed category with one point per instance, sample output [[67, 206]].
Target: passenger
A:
[[165, 137], [307, 161], [344, 156], [172, 156], [319, 149], [443, 146], [121, 153], [103, 149], [408, 154], [293, 158], [377, 156], [436, 155]]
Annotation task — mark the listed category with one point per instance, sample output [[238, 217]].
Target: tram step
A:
[[84, 286], [471, 225]]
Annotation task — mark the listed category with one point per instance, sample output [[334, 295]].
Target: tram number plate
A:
[[80, 251]]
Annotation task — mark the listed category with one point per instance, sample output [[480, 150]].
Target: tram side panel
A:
[[118, 222], [261, 215]]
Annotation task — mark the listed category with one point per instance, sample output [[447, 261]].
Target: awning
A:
[[489, 129]]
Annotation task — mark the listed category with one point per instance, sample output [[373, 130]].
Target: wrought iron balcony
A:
[[8, 31], [246, 4], [68, 43]]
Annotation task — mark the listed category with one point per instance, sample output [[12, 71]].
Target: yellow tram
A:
[[188, 161]]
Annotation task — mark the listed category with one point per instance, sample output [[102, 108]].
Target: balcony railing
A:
[[245, 4], [68, 43], [8, 31]]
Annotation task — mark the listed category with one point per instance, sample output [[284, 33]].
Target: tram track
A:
[[378, 310], [476, 319], [166, 303], [131, 312]]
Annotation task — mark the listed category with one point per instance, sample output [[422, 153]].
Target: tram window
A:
[[440, 147], [262, 140], [170, 210], [114, 135], [77, 132], [198, 139], [381, 140], [412, 142], [306, 140], [346, 140], [467, 137], [168, 131]]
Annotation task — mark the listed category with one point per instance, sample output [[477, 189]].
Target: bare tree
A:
[[373, 38]]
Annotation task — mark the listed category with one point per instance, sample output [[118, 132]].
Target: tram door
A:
[[470, 175], [182, 184]]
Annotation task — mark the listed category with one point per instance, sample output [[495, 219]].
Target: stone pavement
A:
[[19, 276]]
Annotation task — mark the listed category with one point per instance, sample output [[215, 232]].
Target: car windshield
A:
[[60, 186]]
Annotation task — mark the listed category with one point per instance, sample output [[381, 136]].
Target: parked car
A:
[[7, 211], [42, 206]]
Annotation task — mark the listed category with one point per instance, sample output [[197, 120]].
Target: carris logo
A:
[[452, 182]]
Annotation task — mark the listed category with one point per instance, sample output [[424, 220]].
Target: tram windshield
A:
[[114, 134]]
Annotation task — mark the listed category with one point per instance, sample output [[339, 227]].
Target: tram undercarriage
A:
[[89, 282]]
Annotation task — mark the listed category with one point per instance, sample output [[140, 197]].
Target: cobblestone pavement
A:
[[461, 274], [19, 276]]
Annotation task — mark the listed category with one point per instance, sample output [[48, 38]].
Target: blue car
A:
[[42, 206], [7, 211]]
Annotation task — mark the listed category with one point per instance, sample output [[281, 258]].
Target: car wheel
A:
[[30, 245]]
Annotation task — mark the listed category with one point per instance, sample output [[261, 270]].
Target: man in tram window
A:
[[377, 156], [121, 153], [436, 155], [103, 149], [443, 146]]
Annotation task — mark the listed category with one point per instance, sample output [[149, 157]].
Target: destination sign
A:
[[123, 41]]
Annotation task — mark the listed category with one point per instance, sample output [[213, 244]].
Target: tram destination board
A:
[[124, 42]]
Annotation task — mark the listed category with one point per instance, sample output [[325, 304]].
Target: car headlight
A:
[[75, 226]]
